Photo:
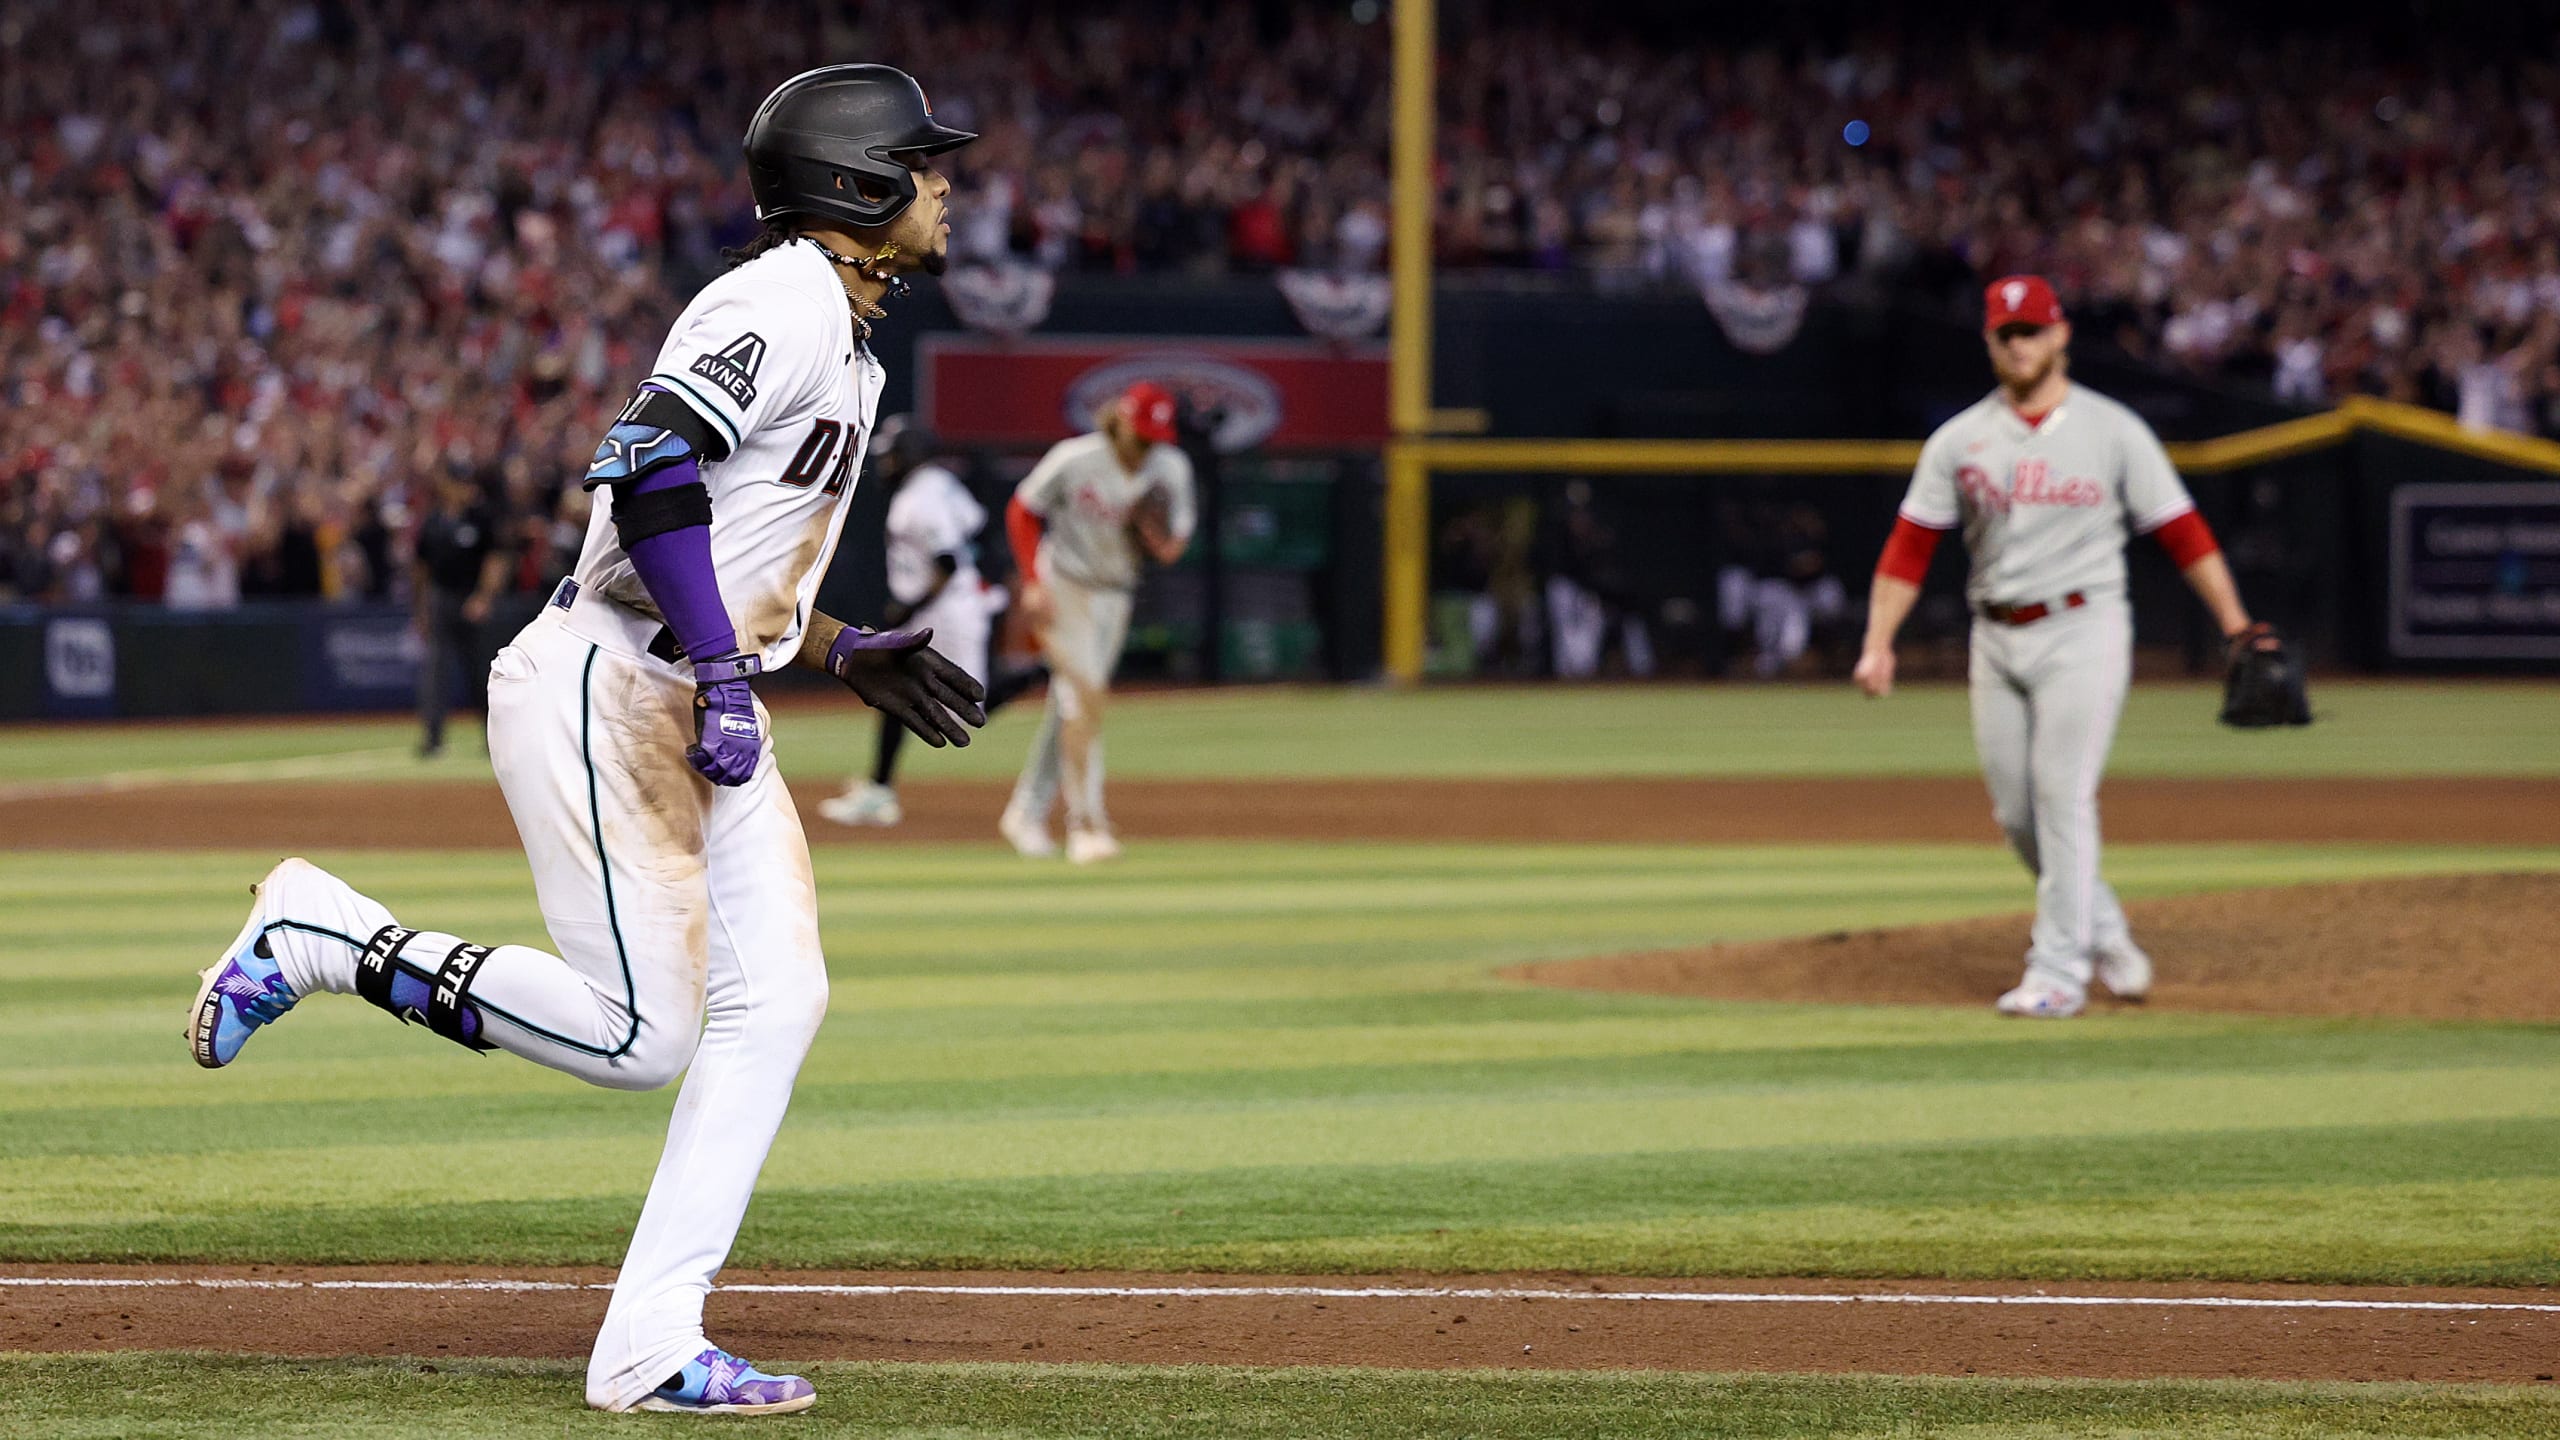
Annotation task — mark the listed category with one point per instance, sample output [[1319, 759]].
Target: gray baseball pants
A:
[[2046, 697], [1087, 627]]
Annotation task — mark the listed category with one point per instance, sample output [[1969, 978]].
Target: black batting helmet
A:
[[904, 439], [834, 143]]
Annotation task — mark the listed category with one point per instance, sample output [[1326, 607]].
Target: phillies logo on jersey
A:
[[2031, 483], [1090, 501]]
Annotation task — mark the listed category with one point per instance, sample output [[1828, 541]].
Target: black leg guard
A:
[[448, 1011], [441, 1001], [375, 966]]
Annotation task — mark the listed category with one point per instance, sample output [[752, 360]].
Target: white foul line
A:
[[1318, 1292]]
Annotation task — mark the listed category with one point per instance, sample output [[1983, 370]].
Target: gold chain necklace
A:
[[866, 311]]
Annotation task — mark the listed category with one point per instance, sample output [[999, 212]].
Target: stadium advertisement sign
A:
[[1287, 394], [2475, 571], [79, 666], [359, 659]]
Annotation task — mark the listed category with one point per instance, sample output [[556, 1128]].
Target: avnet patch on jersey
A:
[[733, 369]]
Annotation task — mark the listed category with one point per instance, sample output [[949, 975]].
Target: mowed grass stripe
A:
[[2430, 727], [359, 1071], [1200, 1051], [233, 1124], [2265, 1204], [115, 1397], [1353, 1132], [204, 1129], [960, 910]]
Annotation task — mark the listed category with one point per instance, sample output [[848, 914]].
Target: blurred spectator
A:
[[265, 264], [1588, 603], [1780, 590], [1488, 590]]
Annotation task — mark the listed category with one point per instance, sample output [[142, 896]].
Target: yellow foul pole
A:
[[1408, 508]]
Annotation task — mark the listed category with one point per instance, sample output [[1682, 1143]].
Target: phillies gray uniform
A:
[[1084, 496], [2046, 508]]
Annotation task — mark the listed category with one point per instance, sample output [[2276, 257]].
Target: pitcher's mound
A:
[[2439, 947]]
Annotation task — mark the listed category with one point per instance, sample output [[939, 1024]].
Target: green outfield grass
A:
[[1291, 1057], [1296, 1057], [2365, 729], [137, 1397]]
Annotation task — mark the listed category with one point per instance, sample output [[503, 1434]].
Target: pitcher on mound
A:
[[2048, 478]]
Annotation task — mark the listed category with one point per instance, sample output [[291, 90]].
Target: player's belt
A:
[[664, 646], [2030, 614]]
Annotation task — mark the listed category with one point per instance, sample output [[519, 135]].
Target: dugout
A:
[[2382, 537]]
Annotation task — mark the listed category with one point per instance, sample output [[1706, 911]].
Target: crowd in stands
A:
[[270, 269]]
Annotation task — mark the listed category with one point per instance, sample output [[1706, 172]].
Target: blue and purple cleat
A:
[[716, 1382], [243, 990]]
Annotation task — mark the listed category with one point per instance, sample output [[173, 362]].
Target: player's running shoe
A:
[[246, 987], [1091, 847], [869, 803], [2038, 999], [1028, 835], [2125, 971], [716, 1382]]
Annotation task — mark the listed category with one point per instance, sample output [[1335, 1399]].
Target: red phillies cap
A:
[[2019, 300], [1150, 408]]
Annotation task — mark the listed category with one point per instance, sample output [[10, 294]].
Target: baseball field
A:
[[1487, 1062]]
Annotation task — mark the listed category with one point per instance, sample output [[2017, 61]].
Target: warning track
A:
[[1538, 1321]]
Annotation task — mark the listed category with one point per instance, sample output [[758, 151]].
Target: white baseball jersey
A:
[[932, 514], [766, 356], [2045, 507], [1081, 491]]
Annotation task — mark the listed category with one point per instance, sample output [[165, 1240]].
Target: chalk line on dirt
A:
[[1317, 1292]]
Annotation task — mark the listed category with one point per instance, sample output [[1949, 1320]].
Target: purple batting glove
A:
[[728, 738], [857, 638]]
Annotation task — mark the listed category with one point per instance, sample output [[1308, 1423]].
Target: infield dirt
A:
[[2110, 1342], [2437, 947], [463, 815]]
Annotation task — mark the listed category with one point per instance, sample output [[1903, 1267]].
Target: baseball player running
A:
[[666, 855], [1077, 523], [2047, 478], [934, 584]]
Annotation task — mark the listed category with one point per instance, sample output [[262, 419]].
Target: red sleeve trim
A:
[[2187, 539], [1908, 550], [1023, 528]]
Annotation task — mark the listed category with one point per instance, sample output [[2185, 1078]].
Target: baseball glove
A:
[[2262, 684]]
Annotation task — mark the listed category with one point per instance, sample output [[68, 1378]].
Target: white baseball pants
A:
[[962, 628], [687, 923]]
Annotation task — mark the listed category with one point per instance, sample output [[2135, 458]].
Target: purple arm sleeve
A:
[[676, 566]]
